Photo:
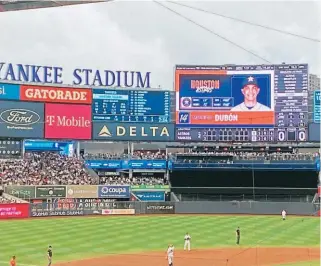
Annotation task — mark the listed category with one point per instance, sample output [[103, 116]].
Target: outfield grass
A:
[[308, 263], [76, 238]]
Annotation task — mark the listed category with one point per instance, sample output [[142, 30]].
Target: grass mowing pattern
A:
[[308, 263], [76, 238]]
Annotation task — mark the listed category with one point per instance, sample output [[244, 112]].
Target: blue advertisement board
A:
[[133, 131], [150, 195], [64, 148], [21, 119], [126, 164], [9, 91], [316, 107], [113, 192]]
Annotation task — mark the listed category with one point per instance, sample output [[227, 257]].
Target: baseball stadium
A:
[[222, 169]]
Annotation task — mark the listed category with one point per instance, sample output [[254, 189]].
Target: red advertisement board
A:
[[14, 210], [55, 94], [67, 121]]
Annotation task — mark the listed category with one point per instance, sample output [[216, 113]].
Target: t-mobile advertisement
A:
[[14, 210], [67, 121]]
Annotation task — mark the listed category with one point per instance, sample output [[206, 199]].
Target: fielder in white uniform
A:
[[187, 243], [250, 92], [170, 255], [283, 215]]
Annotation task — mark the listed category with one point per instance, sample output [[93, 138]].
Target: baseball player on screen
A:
[[187, 243], [283, 215], [170, 255], [250, 91]]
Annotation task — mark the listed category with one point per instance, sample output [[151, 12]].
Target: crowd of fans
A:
[[4, 200], [44, 168], [133, 181]]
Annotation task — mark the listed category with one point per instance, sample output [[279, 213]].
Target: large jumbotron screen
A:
[[259, 103]]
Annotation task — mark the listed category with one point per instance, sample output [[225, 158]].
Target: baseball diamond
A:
[[129, 240]]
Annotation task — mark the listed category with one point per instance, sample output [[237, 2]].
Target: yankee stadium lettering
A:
[[80, 76]]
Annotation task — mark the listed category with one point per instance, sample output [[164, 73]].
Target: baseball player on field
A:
[[170, 255], [187, 243], [283, 215]]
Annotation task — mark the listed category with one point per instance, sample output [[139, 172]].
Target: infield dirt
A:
[[206, 257]]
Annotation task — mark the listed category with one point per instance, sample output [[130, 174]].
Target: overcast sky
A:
[[143, 36]]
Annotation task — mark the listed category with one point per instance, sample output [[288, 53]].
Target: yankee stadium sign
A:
[[80, 76]]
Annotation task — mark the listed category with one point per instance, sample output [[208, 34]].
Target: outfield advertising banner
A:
[[114, 192], [149, 187], [67, 121], [50, 192], [110, 131], [9, 91], [21, 119], [118, 212], [160, 208], [82, 191], [55, 94], [150, 195], [14, 210], [22, 192], [126, 164]]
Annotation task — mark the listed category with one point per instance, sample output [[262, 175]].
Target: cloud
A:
[[143, 36]]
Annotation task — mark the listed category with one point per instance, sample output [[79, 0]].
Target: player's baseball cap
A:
[[249, 81]]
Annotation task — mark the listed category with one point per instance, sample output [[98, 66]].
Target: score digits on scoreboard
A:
[[266, 103]]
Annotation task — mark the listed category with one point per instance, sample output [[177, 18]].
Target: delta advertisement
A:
[[21, 119], [67, 121], [55, 94], [110, 131], [150, 195], [14, 210], [126, 164], [114, 192], [218, 97]]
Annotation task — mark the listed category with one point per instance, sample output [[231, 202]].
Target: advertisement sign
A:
[[82, 191], [48, 213], [160, 208], [55, 94], [150, 187], [10, 148], [50, 192], [67, 121], [317, 107], [104, 164], [150, 196], [64, 148], [114, 192], [118, 212], [21, 119], [235, 102], [14, 210], [146, 164], [9, 91], [133, 131], [22, 192]]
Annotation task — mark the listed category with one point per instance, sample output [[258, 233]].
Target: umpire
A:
[[238, 236], [49, 253]]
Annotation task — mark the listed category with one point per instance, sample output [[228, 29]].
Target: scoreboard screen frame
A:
[[210, 106], [131, 105]]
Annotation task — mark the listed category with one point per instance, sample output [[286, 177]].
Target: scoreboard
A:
[[259, 103], [316, 107], [118, 105]]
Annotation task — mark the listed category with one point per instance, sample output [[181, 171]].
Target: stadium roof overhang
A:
[[15, 5]]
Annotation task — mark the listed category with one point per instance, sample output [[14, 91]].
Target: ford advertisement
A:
[[112, 192], [21, 119]]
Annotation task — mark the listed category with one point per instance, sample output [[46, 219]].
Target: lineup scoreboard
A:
[[10, 148], [119, 105], [242, 103]]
